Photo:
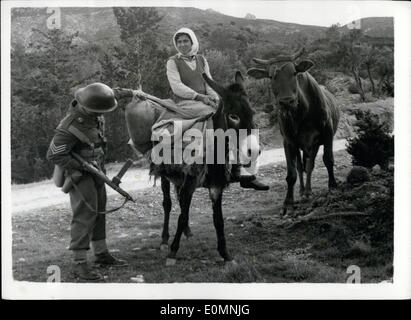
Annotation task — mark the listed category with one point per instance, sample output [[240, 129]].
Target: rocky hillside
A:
[[99, 25]]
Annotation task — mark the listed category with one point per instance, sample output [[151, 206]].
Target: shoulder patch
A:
[[54, 149]]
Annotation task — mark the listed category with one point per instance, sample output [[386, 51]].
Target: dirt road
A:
[[43, 194]]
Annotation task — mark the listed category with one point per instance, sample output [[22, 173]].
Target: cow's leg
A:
[[309, 169], [187, 231], [216, 194], [328, 159], [300, 170], [185, 195], [165, 187], [290, 155]]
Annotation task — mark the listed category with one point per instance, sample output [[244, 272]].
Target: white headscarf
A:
[[194, 47]]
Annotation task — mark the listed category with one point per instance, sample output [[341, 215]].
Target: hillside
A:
[[377, 26], [99, 26]]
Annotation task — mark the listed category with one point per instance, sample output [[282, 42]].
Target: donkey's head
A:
[[234, 106]]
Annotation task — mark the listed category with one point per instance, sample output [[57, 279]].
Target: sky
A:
[[318, 13]]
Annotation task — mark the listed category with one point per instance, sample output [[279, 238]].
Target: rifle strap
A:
[[90, 207], [80, 135]]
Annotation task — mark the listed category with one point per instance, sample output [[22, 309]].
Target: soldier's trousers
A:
[[87, 225]]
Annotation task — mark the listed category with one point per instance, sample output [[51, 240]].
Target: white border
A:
[[400, 289]]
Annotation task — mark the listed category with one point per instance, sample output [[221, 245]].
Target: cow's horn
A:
[[281, 58], [261, 61]]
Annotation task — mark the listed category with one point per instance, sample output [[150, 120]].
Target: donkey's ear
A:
[[239, 79], [257, 73], [304, 65], [214, 85]]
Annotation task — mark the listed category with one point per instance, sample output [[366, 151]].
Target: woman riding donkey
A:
[[184, 73]]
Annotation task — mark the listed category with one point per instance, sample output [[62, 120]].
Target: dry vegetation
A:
[[266, 247]]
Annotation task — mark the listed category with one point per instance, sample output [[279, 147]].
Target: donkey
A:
[[308, 117], [233, 112]]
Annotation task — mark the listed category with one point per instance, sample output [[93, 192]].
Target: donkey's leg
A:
[[187, 231], [184, 196], [312, 154], [216, 194], [328, 159], [290, 155], [300, 170], [165, 187]]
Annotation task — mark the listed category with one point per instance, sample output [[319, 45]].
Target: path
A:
[[42, 194]]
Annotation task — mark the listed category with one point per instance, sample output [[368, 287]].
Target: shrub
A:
[[353, 88], [373, 144], [388, 88]]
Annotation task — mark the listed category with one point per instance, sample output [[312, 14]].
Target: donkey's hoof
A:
[[332, 191], [306, 196], [288, 210], [163, 247], [170, 262]]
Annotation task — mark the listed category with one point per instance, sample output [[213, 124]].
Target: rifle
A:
[[114, 184]]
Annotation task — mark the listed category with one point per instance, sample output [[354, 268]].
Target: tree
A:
[[42, 81], [370, 60], [222, 65], [135, 21], [353, 56], [384, 63], [138, 60], [140, 56]]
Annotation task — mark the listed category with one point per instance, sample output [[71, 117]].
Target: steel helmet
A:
[[96, 97]]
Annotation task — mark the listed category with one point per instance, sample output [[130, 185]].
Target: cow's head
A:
[[283, 77], [234, 104]]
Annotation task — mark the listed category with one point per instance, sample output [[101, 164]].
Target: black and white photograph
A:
[[205, 150]]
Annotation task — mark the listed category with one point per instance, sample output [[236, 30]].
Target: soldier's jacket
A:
[[83, 134]]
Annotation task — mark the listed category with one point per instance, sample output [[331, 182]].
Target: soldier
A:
[[82, 131]]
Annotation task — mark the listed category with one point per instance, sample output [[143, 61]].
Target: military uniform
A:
[[83, 132]]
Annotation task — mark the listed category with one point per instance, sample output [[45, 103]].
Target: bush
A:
[[353, 88], [388, 88], [373, 144]]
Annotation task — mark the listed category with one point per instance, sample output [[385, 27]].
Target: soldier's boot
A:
[[246, 182], [235, 173], [105, 259], [83, 271]]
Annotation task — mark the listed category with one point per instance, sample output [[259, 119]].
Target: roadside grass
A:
[[263, 250]]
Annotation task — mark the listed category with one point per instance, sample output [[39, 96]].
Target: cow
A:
[[308, 118], [233, 112]]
